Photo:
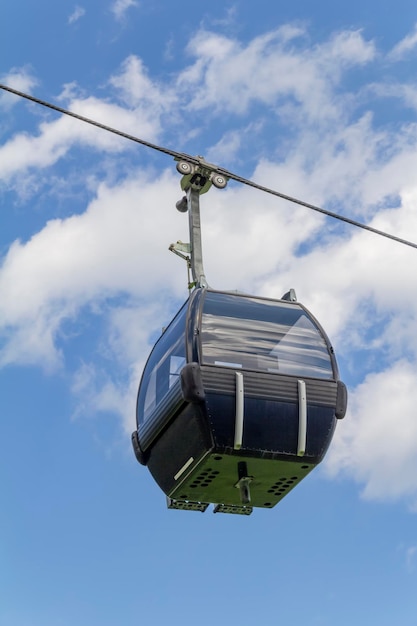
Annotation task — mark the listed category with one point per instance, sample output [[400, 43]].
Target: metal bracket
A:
[[182, 250], [291, 296], [243, 482], [186, 505], [233, 508]]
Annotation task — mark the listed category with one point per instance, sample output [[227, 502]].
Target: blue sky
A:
[[317, 100]]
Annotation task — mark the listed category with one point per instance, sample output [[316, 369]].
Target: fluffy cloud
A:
[[55, 138], [376, 443], [119, 7], [323, 144], [83, 259], [403, 47], [77, 14], [227, 75], [136, 88], [20, 79], [130, 341]]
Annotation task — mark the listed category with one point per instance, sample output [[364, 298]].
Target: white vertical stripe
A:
[[239, 411], [302, 418]]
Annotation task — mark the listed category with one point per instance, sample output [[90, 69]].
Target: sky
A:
[[316, 100]]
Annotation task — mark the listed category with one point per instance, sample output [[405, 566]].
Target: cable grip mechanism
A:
[[197, 178], [200, 176]]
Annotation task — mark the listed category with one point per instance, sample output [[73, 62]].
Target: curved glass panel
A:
[[163, 368], [240, 331]]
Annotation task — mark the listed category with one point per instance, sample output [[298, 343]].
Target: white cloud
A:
[[230, 77], [56, 138], [404, 93], [119, 7], [19, 78], [356, 271], [376, 441], [410, 555], [130, 330], [227, 149], [77, 14], [347, 48], [135, 88], [85, 259], [97, 393], [112, 258], [403, 47]]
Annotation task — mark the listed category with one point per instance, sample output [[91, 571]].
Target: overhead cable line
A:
[[219, 170]]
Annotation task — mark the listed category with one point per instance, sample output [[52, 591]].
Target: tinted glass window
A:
[[264, 335], [163, 368]]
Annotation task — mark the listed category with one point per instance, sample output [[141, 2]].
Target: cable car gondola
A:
[[240, 395]]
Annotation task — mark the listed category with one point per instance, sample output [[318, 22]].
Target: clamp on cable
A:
[[200, 176]]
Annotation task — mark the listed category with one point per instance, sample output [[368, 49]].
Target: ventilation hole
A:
[[267, 503], [205, 478], [305, 466], [283, 485], [217, 458]]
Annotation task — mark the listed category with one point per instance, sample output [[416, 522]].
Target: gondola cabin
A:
[[238, 402], [239, 398]]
